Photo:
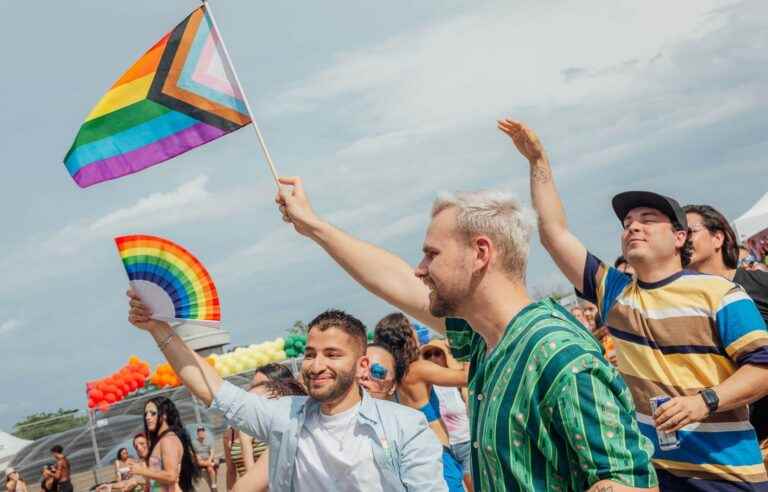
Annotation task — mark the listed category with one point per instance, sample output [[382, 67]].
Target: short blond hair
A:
[[498, 215]]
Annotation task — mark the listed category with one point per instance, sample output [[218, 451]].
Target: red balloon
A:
[[91, 403], [110, 398], [132, 385], [96, 394], [103, 407]]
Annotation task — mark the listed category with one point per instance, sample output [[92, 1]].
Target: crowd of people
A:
[[656, 380]]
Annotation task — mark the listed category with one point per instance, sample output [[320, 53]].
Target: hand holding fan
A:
[[169, 280]]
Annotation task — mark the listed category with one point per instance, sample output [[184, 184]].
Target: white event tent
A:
[[754, 220], [9, 446]]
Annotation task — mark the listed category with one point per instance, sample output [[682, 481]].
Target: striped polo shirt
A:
[[675, 337], [546, 410]]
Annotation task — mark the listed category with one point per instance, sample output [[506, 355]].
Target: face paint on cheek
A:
[[378, 371]]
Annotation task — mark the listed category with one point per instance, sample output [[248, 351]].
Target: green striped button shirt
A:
[[547, 411]]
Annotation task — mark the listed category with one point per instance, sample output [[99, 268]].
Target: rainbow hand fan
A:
[[172, 282]]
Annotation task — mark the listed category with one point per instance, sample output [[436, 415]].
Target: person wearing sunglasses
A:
[[416, 378], [380, 379], [453, 407], [715, 251]]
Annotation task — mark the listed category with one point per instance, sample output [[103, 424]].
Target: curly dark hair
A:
[[167, 412], [398, 374], [395, 333], [715, 222]]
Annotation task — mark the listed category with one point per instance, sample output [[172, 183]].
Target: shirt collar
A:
[[366, 412]]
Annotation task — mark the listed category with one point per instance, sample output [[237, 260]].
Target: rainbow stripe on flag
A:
[[180, 94]]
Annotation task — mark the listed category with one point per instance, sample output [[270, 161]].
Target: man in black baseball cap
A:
[[624, 202], [646, 246], [671, 329]]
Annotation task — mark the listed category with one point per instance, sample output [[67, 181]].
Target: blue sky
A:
[[378, 106]]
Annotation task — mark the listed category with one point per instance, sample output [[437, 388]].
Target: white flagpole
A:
[[262, 143]]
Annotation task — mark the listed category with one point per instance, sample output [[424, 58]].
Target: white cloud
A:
[[158, 206], [192, 201], [189, 202], [10, 325], [602, 85], [505, 56]]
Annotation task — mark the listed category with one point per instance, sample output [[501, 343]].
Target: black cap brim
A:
[[624, 202]]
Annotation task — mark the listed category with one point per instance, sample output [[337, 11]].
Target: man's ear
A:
[[363, 365], [483, 251], [392, 389], [680, 238]]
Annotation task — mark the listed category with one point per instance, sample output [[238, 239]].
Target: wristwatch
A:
[[710, 399]]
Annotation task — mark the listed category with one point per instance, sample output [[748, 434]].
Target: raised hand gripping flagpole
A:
[[262, 143]]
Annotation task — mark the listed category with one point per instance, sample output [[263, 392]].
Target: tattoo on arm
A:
[[540, 173]]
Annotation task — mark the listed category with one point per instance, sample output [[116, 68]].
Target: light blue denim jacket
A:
[[406, 451]]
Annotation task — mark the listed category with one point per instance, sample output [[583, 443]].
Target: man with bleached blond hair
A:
[[534, 425]]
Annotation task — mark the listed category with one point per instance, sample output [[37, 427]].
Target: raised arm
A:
[[431, 373], [568, 252], [198, 376], [247, 412], [382, 273]]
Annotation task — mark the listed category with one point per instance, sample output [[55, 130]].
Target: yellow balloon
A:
[[280, 343]]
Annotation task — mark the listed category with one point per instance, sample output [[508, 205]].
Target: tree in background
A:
[[298, 328], [44, 424]]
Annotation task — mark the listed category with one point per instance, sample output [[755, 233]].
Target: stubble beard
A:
[[441, 306], [343, 381]]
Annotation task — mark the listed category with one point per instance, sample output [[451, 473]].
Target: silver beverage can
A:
[[667, 440]]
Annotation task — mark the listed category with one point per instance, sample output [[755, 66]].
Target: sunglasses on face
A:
[[428, 354]]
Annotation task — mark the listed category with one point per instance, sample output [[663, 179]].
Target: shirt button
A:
[[476, 445], [479, 396]]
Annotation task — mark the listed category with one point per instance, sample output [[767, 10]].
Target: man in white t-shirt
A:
[[338, 438]]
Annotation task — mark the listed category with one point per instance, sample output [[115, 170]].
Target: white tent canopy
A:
[[753, 220], [9, 446]]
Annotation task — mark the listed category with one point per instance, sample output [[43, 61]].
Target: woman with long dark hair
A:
[[171, 465], [415, 378]]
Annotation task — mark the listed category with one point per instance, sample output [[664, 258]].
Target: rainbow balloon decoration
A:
[[180, 94], [172, 282]]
